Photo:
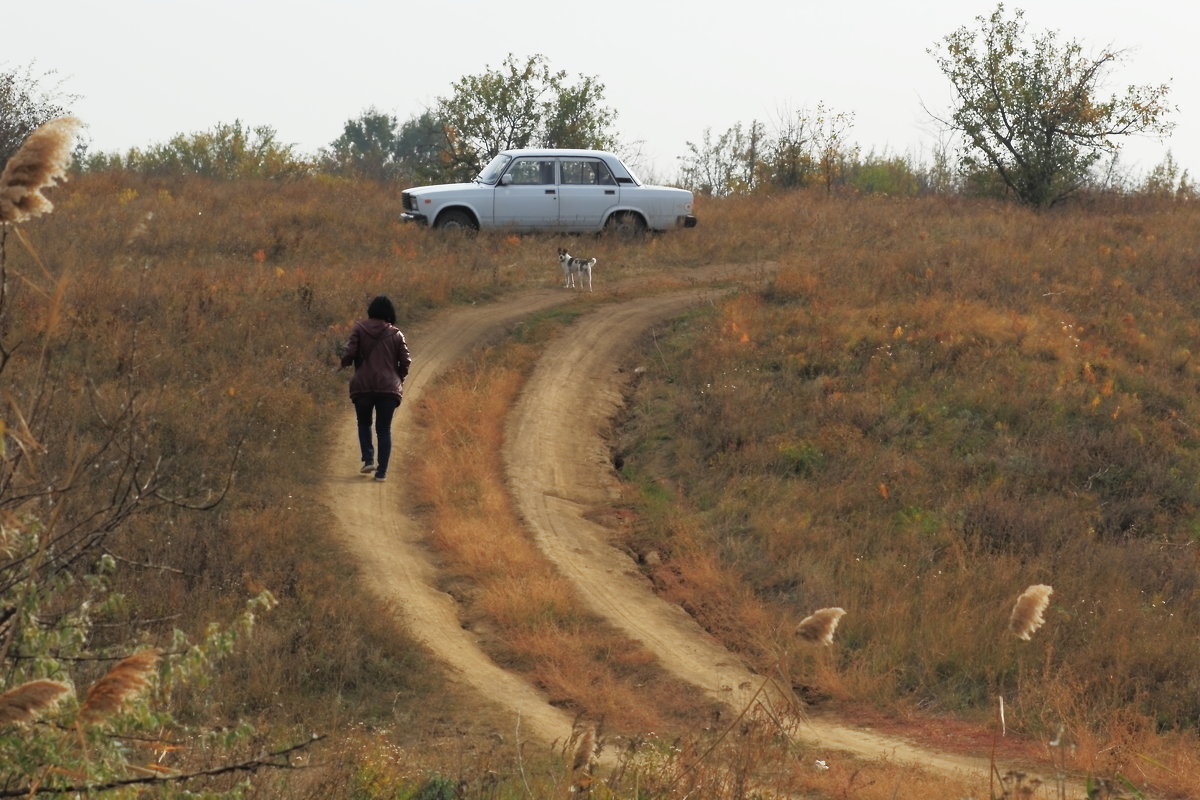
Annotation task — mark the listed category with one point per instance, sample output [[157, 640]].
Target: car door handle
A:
[[549, 191], [610, 191]]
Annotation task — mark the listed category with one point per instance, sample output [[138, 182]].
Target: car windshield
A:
[[491, 173]]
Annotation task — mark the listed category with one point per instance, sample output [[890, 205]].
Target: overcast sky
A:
[[146, 70]]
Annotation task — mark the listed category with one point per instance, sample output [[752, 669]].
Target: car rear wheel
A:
[[456, 220], [626, 225]]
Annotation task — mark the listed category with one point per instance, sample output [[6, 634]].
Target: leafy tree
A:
[[521, 105], [367, 147], [227, 152], [421, 149], [1034, 113], [26, 101], [576, 117], [378, 147], [1168, 179], [884, 174]]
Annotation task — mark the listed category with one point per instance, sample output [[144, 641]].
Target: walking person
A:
[[381, 360]]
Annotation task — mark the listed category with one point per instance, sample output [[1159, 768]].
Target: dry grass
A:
[[30, 700], [587, 748], [934, 402], [128, 678], [527, 610], [212, 329]]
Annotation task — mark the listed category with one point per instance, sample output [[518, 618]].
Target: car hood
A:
[[448, 188]]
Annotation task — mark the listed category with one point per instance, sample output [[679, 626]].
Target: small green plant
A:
[[436, 788]]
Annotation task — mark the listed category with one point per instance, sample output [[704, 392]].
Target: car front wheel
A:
[[456, 220], [626, 225]]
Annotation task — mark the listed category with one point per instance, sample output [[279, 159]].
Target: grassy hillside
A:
[[932, 405]]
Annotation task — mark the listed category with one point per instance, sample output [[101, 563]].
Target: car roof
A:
[[558, 151], [612, 159]]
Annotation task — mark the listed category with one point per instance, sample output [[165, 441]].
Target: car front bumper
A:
[[413, 216]]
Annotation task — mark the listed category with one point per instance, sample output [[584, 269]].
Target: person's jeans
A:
[[382, 407]]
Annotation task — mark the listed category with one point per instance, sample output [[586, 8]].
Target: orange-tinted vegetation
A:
[[930, 405]]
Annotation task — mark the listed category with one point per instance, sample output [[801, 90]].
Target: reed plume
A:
[[820, 625], [40, 163], [28, 700], [586, 750], [1026, 615], [122, 682]]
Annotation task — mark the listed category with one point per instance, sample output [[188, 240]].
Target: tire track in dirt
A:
[[559, 468]]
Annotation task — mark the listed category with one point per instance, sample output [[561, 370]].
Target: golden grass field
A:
[[930, 405]]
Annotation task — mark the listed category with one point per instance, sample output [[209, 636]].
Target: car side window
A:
[[531, 172], [586, 172]]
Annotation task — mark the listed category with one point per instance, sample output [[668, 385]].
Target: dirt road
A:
[[558, 468], [387, 542]]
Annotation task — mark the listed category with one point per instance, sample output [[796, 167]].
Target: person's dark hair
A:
[[382, 308]]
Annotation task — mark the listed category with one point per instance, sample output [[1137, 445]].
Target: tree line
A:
[[522, 103], [1031, 121]]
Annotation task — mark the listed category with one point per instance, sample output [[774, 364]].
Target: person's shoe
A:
[[380, 477], [367, 467]]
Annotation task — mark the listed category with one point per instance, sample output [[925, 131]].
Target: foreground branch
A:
[[268, 761]]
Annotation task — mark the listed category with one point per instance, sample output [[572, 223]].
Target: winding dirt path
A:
[[558, 469]]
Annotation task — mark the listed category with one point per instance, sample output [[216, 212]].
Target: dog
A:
[[574, 269]]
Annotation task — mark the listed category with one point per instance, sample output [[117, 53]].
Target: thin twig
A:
[[143, 565], [520, 760], [661, 357], [268, 761]]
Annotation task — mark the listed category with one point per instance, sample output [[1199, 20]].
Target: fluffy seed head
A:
[[28, 700], [1026, 615], [40, 163], [586, 750], [820, 625], [122, 682]]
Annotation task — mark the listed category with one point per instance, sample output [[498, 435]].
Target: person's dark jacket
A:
[[380, 357]]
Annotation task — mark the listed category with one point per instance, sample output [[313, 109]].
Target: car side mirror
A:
[[505, 179]]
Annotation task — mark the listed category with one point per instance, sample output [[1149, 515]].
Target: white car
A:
[[572, 191]]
